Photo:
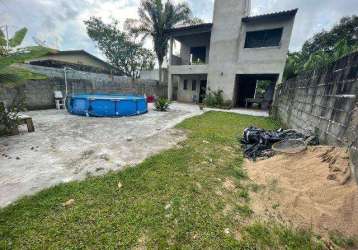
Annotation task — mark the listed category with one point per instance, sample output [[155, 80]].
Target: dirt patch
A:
[[227, 209], [310, 190], [229, 185]]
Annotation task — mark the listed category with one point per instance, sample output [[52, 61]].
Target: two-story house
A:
[[231, 54]]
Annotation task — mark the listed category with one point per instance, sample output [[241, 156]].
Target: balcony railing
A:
[[176, 60]]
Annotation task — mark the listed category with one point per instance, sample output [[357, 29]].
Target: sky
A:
[[59, 23]]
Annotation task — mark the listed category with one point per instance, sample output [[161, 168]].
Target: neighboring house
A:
[[75, 59], [231, 54]]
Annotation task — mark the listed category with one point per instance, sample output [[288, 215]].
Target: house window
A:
[[185, 86], [263, 38], [198, 55], [193, 85]]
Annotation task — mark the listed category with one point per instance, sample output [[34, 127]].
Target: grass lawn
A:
[[192, 196]]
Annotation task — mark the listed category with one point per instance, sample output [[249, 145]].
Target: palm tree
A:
[[157, 17]]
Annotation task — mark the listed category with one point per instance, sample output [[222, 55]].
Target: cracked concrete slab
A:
[[65, 147]]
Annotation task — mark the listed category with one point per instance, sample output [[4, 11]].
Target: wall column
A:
[[170, 86], [170, 77], [224, 49], [171, 44]]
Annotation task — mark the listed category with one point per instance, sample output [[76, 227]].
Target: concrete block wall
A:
[[40, 94], [325, 101]]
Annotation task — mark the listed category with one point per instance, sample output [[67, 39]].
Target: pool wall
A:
[[105, 105]]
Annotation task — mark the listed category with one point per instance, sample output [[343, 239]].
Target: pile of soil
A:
[[311, 189]]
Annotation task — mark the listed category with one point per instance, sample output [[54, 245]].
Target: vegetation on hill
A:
[[324, 48]]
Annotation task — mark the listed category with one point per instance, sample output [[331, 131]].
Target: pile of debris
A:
[[338, 163], [257, 142]]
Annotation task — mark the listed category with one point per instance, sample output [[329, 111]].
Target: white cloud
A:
[[60, 22], [312, 17]]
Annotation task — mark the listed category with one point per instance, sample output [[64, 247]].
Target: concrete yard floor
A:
[[65, 147]]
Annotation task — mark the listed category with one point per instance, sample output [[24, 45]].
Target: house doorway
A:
[[202, 91], [255, 90]]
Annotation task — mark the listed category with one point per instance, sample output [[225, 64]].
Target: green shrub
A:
[[162, 104], [9, 116], [215, 99], [227, 104]]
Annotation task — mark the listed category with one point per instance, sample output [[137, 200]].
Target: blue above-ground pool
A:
[[106, 105]]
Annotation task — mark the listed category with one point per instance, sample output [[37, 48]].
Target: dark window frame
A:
[[185, 85], [200, 56], [263, 38], [193, 85]]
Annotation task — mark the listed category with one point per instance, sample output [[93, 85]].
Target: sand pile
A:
[[311, 189]]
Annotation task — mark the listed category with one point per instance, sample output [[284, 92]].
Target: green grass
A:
[[261, 235], [176, 199], [343, 241]]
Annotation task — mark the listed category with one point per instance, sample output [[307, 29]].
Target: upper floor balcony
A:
[[190, 45]]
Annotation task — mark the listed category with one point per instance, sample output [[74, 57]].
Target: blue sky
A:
[[59, 23]]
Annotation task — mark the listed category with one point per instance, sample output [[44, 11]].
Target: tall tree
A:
[[155, 18], [123, 52]]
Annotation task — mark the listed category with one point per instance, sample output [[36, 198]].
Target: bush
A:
[[9, 116], [227, 104], [162, 104], [215, 99]]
